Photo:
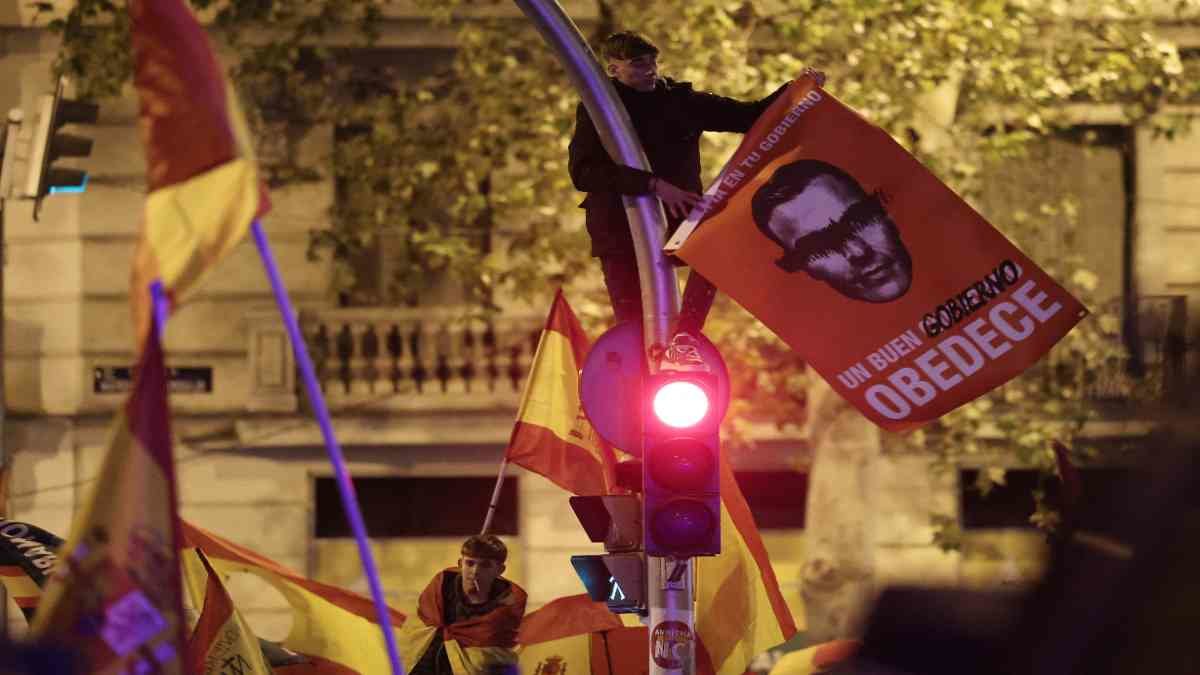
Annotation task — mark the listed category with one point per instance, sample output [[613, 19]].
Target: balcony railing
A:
[[439, 359], [400, 358]]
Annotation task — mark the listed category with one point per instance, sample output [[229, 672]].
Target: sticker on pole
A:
[[676, 579], [671, 644]]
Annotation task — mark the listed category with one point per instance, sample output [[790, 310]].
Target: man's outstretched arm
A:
[[720, 113]]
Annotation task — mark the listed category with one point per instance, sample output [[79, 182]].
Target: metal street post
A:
[[660, 293], [669, 581]]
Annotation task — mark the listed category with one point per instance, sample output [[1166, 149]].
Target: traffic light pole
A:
[[669, 582], [670, 591], [647, 223]]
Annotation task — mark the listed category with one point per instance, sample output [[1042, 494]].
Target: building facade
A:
[[424, 400]]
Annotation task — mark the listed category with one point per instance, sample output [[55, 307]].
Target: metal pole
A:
[[660, 292], [336, 458], [487, 520], [670, 592]]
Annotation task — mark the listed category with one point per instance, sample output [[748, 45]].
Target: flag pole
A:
[[160, 308], [321, 412], [487, 520]]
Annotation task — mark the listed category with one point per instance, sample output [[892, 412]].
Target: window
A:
[[776, 498], [1010, 505], [395, 506]]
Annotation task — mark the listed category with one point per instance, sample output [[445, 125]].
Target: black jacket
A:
[[668, 122]]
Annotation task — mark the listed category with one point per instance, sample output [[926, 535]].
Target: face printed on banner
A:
[[832, 230]]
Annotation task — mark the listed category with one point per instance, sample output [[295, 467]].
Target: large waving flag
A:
[[204, 188], [740, 611], [552, 437], [115, 594], [27, 555], [222, 642], [335, 626], [890, 286], [578, 635]]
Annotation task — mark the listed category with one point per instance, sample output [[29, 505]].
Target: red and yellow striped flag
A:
[[222, 642], [23, 590], [203, 184], [575, 634], [335, 625], [740, 611], [552, 437], [115, 594]]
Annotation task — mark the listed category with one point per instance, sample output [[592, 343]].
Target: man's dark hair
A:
[[788, 181], [486, 546], [626, 45]]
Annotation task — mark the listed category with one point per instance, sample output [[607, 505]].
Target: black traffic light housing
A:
[[617, 578], [49, 145], [681, 471]]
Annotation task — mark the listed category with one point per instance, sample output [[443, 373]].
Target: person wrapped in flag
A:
[[469, 615]]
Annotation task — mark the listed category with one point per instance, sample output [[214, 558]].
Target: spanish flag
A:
[[115, 594], [472, 645], [552, 437], [578, 635], [222, 641], [203, 184], [333, 625], [740, 611]]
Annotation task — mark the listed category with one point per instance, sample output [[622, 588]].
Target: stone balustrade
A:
[[447, 358], [398, 358]]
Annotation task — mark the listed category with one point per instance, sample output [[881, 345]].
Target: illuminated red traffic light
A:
[[681, 465], [681, 404]]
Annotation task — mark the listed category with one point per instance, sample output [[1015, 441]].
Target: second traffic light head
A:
[[49, 146], [615, 520]]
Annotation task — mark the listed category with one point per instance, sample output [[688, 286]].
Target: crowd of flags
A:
[[131, 565], [134, 588]]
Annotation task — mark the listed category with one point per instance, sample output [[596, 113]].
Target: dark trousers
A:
[[625, 293]]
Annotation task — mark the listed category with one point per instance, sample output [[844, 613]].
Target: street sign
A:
[[182, 380]]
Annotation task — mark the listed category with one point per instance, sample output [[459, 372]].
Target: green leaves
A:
[[457, 174]]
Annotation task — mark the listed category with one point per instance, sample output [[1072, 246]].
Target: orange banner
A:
[[895, 290]]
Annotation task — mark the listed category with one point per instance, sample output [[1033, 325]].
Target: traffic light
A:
[[681, 464], [49, 146], [618, 577]]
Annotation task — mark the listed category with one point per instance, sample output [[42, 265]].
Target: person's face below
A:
[[639, 73], [478, 574], [861, 257]]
